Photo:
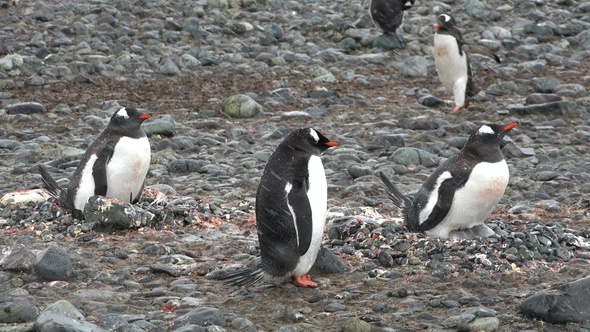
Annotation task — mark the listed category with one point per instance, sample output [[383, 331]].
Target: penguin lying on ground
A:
[[461, 194], [388, 15], [291, 203], [452, 61], [115, 165]]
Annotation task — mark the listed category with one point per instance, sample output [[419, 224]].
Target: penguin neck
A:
[[482, 153]]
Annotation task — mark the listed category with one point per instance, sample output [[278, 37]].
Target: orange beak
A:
[[510, 126], [436, 26], [331, 143], [145, 116]]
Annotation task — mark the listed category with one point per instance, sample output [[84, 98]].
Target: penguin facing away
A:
[[291, 204], [452, 62], [115, 165], [388, 15], [461, 194]]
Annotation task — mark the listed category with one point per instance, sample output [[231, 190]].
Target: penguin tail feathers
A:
[[398, 199], [243, 278], [54, 189], [401, 202]]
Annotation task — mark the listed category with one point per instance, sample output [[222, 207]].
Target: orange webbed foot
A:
[[304, 281]]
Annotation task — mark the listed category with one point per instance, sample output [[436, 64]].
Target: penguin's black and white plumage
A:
[[452, 62], [115, 165], [388, 15], [291, 203], [461, 194]]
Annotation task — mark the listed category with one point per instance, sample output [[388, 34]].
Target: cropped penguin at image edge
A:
[[461, 194], [115, 165], [291, 205]]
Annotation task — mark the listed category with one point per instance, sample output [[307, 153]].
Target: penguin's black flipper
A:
[[99, 170], [300, 208], [446, 193]]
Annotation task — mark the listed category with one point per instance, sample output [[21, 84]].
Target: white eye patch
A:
[[446, 17], [485, 130], [314, 134], [123, 112]]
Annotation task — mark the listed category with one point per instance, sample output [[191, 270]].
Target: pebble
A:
[[53, 263]]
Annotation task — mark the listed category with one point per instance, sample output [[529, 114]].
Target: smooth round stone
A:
[[241, 106], [414, 66]]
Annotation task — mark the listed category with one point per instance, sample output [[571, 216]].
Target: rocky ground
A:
[[306, 63]]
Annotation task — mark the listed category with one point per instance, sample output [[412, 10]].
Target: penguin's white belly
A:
[[128, 167], [86, 186], [318, 200], [450, 65], [474, 203]]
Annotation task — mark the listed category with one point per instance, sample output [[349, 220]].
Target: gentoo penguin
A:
[[388, 15], [291, 203], [452, 61], [461, 194], [115, 165]]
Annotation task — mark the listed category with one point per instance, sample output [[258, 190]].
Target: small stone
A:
[[355, 325], [49, 321], [204, 316], [485, 324], [387, 42], [192, 26], [328, 263], [19, 311], [163, 125], [541, 98], [109, 214], [545, 84], [321, 74], [503, 88], [168, 67], [165, 268], [412, 156]]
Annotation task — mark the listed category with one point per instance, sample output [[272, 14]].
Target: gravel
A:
[[225, 81]]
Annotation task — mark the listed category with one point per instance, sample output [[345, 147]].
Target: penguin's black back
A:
[[276, 232], [388, 14]]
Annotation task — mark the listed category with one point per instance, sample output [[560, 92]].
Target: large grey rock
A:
[[412, 156], [387, 41], [108, 214], [241, 106], [414, 66], [328, 263], [16, 257], [555, 107], [202, 317], [54, 263], [25, 108], [19, 311], [565, 304], [52, 322], [64, 308], [163, 125]]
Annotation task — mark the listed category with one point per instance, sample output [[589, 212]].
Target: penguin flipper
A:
[[300, 208], [49, 183], [398, 199], [476, 49], [446, 193], [99, 171]]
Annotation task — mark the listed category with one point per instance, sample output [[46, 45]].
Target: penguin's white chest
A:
[[474, 202], [317, 195], [450, 65], [128, 167]]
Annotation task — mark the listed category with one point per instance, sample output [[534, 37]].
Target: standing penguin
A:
[[388, 15], [461, 194], [452, 61], [291, 203], [115, 165]]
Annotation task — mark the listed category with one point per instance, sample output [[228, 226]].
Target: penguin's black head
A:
[[492, 133], [445, 22], [309, 140], [128, 118]]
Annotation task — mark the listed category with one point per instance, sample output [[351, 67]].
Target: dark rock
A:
[[411, 156], [16, 257], [387, 42], [542, 98], [54, 263], [165, 268], [545, 84], [328, 263], [556, 107], [356, 171], [25, 108], [185, 165], [431, 101], [568, 303]]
